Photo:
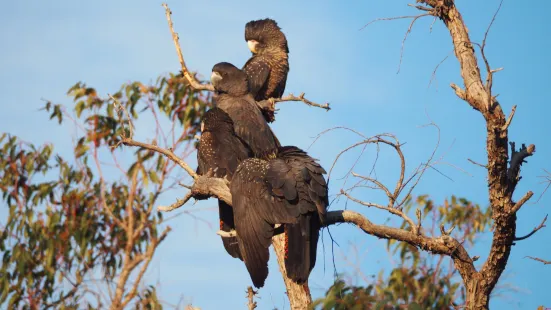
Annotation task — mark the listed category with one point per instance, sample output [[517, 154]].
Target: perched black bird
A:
[[233, 96], [268, 67], [221, 151], [289, 190]]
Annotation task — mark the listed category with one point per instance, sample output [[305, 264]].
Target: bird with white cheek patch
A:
[[268, 67]]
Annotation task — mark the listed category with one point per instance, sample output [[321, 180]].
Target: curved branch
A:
[[389, 209], [185, 72], [167, 152], [540, 226], [444, 245]]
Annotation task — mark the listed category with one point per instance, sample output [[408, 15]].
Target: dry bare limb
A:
[[545, 262], [478, 164], [167, 152], [540, 226], [189, 77], [406, 36], [291, 97], [501, 181], [177, 204], [414, 18], [490, 72], [389, 209], [208, 87], [251, 304], [433, 76], [547, 180], [510, 118]]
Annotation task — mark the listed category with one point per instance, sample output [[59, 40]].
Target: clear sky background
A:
[[45, 47]]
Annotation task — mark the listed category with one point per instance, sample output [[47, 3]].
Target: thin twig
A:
[[475, 163], [378, 206], [540, 226], [489, 78], [406, 36], [291, 97], [177, 204], [545, 262], [548, 181], [190, 78], [433, 76], [390, 18], [167, 152]]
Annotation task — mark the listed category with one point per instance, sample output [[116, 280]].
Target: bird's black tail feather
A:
[[301, 240], [227, 224]]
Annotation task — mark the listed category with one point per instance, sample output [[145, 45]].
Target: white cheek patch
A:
[[215, 77], [252, 45]]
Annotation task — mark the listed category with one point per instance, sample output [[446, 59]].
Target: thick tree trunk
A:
[[299, 295]]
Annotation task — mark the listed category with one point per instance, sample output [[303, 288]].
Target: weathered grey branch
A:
[[167, 152], [509, 119], [291, 97], [394, 211], [177, 204], [445, 245], [189, 77]]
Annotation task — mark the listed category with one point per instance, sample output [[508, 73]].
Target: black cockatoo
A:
[[289, 190], [268, 67], [233, 96], [221, 151]]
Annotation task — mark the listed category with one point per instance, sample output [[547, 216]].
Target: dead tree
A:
[[503, 172]]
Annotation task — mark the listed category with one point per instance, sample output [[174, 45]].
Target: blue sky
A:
[[48, 46]]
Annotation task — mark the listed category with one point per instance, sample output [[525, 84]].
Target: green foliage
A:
[[67, 219], [421, 280]]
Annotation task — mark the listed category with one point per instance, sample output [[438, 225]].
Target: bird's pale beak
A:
[[215, 77], [252, 45]]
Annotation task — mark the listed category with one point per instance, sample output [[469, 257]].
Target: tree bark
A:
[[500, 188], [299, 295]]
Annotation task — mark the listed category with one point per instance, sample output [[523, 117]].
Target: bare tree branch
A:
[[177, 204], [291, 97], [545, 262], [167, 152], [251, 304], [521, 202], [478, 164], [189, 77], [389, 209], [517, 159], [442, 245], [540, 226]]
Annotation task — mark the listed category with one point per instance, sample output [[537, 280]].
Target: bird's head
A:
[[227, 78], [214, 119], [265, 35]]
